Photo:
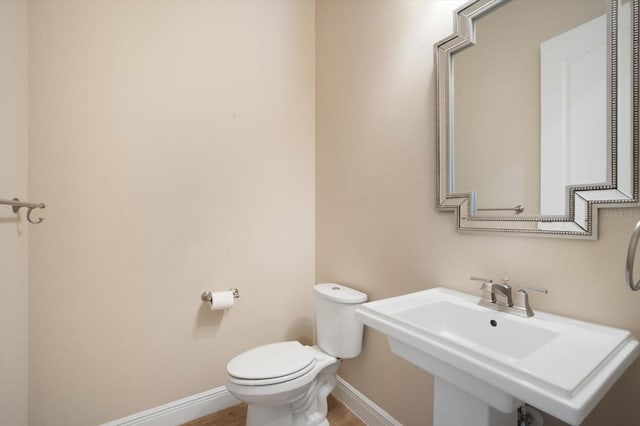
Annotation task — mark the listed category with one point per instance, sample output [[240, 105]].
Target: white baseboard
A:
[[182, 410], [361, 406], [211, 401]]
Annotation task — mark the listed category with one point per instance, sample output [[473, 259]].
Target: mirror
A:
[[535, 115]]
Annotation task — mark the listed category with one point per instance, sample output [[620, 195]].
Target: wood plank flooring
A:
[[338, 415]]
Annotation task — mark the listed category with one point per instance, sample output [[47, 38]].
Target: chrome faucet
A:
[[498, 297], [503, 294]]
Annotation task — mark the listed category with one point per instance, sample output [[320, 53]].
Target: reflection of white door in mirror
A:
[[573, 113]]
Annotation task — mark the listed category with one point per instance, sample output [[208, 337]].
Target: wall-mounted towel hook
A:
[[29, 211], [16, 205]]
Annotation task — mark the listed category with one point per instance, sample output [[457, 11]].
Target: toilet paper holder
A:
[[206, 295]]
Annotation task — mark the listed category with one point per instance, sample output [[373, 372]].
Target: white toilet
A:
[[287, 383]]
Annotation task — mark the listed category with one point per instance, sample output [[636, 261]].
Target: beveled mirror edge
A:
[[460, 203]]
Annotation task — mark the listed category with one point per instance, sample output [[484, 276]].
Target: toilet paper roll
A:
[[221, 300]]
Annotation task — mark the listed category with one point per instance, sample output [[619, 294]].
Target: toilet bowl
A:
[[287, 383]]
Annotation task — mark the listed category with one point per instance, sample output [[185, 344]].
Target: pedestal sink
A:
[[487, 363]]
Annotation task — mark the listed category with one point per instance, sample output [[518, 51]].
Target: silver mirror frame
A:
[[583, 202]]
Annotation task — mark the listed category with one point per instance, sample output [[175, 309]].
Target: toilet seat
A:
[[271, 364]]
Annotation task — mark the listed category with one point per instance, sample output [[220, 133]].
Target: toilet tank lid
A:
[[339, 293]]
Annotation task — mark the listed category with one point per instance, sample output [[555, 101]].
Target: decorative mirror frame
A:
[[582, 201]]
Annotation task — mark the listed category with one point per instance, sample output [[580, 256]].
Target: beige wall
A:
[[13, 229], [173, 142], [377, 227], [139, 109]]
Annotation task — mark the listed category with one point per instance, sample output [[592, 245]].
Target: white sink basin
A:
[[557, 364]]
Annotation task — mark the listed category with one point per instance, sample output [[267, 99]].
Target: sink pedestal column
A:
[[454, 407]]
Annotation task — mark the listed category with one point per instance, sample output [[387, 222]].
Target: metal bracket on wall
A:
[[16, 205]]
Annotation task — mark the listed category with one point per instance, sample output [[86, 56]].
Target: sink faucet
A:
[[498, 297], [503, 293]]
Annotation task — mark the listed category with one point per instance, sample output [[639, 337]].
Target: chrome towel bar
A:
[[16, 205], [518, 209]]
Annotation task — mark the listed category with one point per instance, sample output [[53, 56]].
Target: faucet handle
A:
[[522, 288], [522, 299], [487, 292], [484, 280]]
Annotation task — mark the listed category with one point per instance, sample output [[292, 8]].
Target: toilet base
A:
[[309, 409], [279, 415], [273, 416]]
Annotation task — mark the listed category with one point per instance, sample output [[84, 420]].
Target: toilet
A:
[[287, 383]]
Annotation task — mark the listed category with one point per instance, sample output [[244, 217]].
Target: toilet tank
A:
[[338, 333]]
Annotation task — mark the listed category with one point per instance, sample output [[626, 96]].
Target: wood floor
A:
[[338, 415]]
